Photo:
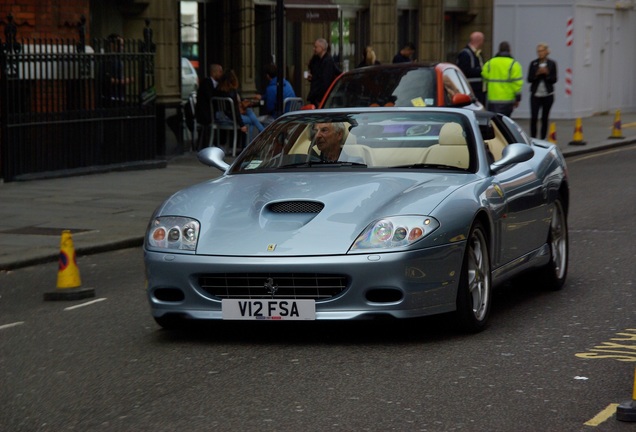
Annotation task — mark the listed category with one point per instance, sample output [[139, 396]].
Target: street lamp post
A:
[[280, 54]]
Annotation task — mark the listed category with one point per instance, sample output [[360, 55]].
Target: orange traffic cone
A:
[[68, 277], [577, 139], [616, 127], [552, 137], [627, 410]]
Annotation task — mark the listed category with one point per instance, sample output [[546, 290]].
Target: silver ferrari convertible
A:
[[362, 213]]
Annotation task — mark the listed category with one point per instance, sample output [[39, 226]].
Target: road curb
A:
[[87, 250], [605, 146]]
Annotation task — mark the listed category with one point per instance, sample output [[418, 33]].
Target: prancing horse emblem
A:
[[270, 286]]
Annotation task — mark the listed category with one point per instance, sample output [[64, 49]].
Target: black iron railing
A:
[[67, 106]]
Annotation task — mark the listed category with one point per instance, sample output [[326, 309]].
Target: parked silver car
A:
[[189, 79], [358, 213]]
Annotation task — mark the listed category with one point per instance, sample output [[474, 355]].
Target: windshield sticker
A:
[[418, 102], [253, 164]]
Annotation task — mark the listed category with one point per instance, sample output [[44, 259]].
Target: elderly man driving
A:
[[328, 138]]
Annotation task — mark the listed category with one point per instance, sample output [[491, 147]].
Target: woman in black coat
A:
[[368, 58], [542, 75]]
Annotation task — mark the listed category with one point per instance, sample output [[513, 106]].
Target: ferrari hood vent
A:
[[296, 207]]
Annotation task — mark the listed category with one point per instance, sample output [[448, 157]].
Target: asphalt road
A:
[[550, 361]]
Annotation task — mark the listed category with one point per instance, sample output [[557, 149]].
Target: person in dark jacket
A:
[[114, 76], [228, 88], [542, 75], [203, 110], [470, 61], [405, 55], [322, 72], [368, 58]]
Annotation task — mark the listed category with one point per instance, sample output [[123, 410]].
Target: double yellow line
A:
[[599, 418]]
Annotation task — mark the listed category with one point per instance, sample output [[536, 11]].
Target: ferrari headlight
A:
[[394, 232], [173, 232]]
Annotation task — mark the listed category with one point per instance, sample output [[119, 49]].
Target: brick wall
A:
[[47, 19]]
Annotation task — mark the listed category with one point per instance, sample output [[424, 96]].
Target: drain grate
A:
[[43, 231]]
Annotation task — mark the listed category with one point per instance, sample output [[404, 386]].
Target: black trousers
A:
[[505, 108], [204, 136], [544, 104]]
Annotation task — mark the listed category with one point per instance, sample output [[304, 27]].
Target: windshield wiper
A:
[[346, 164], [324, 164], [435, 166]]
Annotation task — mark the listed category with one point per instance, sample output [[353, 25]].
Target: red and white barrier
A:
[[569, 32]]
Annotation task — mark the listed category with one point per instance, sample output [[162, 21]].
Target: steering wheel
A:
[[418, 130]]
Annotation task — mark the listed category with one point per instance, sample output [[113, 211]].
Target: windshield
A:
[[363, 140], [384, 86]]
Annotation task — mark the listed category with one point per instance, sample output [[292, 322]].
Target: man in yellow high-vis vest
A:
[[504, 78]]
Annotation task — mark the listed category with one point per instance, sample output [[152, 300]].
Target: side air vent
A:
[[296, 207]]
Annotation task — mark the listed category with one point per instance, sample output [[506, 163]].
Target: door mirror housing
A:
[[512, 154]]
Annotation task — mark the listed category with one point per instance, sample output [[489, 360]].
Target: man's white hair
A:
[[323, 42]]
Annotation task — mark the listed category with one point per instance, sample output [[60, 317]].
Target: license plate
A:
[[279, 310]]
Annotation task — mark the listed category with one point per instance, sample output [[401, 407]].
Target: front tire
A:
[[474, 293], [553, 275]]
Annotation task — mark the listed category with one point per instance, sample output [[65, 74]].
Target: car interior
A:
[[393, 145], [439, 141]]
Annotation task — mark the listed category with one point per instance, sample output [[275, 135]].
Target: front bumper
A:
[[421, 282]]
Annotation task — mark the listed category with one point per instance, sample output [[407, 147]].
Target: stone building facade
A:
[[242, 34]]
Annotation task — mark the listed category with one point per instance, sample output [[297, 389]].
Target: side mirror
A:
[[512, 154], [214, 157], [461, 100], [308, 107]]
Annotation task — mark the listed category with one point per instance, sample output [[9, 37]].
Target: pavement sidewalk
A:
[[111, 210]]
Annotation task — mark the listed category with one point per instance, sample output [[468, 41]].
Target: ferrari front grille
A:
[[273, 285]]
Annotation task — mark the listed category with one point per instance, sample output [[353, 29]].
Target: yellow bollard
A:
[[552, 136], [68, 276], [577, 138], [616, 127]]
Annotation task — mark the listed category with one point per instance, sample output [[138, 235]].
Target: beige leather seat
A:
[[452, 149], [497, 144]]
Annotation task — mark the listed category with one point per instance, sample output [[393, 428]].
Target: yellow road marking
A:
[[602, 416]]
